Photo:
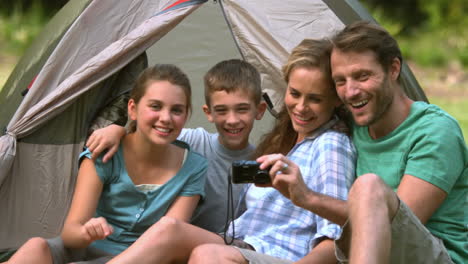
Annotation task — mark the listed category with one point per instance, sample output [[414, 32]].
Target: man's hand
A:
[[96, 229], [105, 138], [286, 177]]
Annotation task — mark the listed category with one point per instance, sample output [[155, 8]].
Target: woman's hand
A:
[[105, 138], [286, 177], [96, 229]]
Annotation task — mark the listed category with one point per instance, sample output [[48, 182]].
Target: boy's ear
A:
[[207, 111], [261, 107], [131, 108]]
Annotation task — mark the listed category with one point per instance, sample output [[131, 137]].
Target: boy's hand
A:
[[286, 177], [105, 138], [96, 229]]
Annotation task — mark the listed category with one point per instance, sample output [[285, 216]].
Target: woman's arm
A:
[[334, 158], [80, 228], [290, 183], [182, 208]]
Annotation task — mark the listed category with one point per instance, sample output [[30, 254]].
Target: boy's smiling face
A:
[[233, 114]]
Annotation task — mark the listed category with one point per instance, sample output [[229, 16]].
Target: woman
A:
[[151, 175]]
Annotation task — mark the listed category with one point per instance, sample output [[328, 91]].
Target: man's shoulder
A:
[[431, 119], [425, 111]]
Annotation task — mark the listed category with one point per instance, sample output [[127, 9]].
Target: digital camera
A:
[[248, 171]]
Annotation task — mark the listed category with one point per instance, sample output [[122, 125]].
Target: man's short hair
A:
[[233, 75], [363, 36]]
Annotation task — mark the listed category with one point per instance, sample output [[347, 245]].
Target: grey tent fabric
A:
[[266, 37], [77, 73], [84, 57]]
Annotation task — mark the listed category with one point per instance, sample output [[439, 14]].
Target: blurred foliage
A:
[[457, 109], [19, 27], [49, 7], [414, 15], [430, 32]]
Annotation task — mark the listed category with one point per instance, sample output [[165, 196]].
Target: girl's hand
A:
[[105, 138], [96, 229], [286, 177]]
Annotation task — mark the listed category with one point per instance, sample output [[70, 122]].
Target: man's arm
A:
[[434, 165], [422, 197]]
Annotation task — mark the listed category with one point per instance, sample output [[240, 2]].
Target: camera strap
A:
[[229, 214]]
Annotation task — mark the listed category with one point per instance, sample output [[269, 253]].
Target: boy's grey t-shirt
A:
[[211, 212]]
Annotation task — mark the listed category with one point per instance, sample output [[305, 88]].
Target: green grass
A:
[[457, 109]]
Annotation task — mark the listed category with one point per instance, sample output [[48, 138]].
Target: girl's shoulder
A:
[[191, 156], [181, 144]]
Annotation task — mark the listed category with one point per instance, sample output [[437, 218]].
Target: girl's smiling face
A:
[[161, 113]]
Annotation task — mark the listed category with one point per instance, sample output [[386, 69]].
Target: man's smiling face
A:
[[362, 85]]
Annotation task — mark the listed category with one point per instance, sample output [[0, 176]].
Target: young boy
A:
[[233, 103]]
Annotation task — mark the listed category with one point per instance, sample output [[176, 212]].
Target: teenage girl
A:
[[152, 175]]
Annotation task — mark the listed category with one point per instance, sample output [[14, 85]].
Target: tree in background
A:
[[440, 27], [50, 7], [416, 14]]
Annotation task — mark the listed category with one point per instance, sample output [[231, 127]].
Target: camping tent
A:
[[83, 58]]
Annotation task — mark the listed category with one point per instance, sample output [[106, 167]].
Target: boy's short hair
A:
[[233, 75]]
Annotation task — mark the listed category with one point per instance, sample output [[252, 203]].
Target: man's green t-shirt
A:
[[428, 145]]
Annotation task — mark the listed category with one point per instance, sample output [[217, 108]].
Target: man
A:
[[409, 204]]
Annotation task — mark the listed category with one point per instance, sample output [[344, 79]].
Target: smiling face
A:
[[363, 85], [310, 100], [233, 114], [161, 113]]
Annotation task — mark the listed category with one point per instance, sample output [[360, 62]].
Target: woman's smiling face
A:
[[310, 100]]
